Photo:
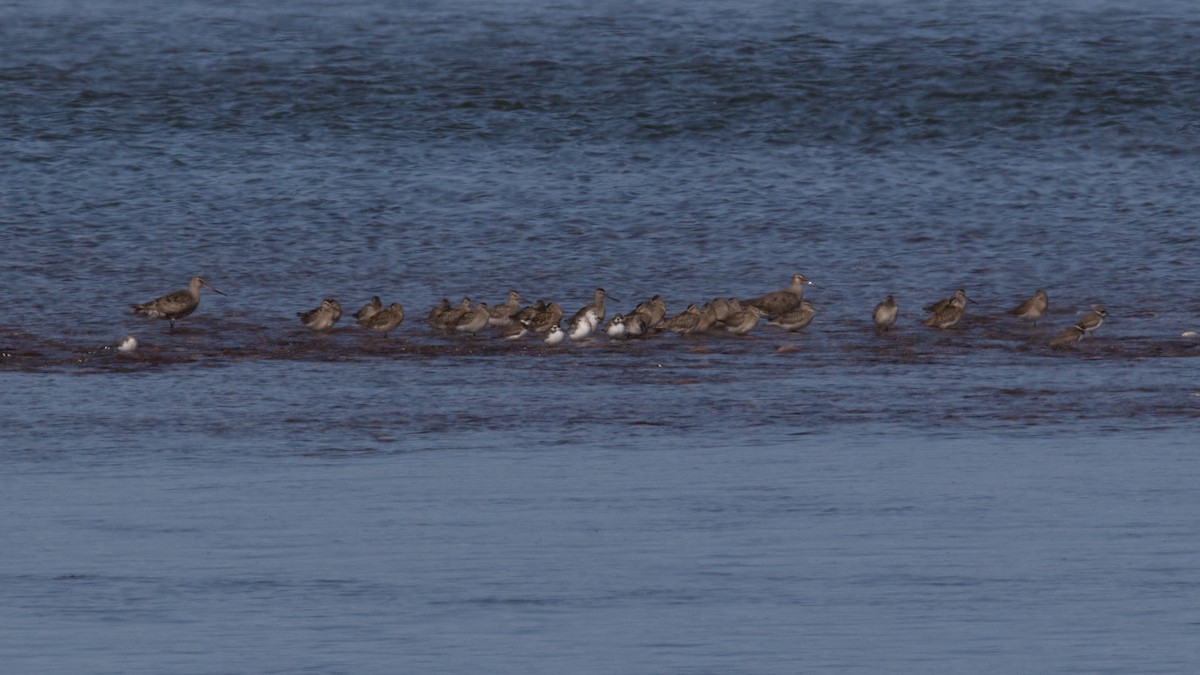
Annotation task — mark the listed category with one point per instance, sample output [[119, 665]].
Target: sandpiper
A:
[[516, 330], [323, 317], [596, 305], [372, 308], [685, 322], [797, 319], [782, 301], [708, 318], [1067, 338], [555, 335], [583, 327], [1092, 320], [885, 314], [435, 315], [550, 316], [475, 320], [175, 305], [635, 325], [503, 315], [1033, 308], [948, 311], [385, 320], [616, 327], [448, 319], [743, 321]]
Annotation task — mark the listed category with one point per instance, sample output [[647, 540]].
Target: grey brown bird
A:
[[475, 320], [685, 322], [885, 314], [386, 320], [948, 311], [323, 317], [1067, 338], [1092, 320], [743, 321], [372, 308], [796, 319], [1033, 308], [505, 314], [175, 305], [550, 316], [596, 306], [781, 301]]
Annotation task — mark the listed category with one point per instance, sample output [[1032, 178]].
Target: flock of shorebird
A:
[[785, 308]]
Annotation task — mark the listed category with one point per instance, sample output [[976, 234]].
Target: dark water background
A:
[[244, 496]]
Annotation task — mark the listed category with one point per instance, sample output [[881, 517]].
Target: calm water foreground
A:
[[225, 519]]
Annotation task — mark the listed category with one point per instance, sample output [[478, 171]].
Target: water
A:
[[244, 496]]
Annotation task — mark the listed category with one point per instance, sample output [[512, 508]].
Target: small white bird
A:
[[556, 336], [128, 345], [616, 327]]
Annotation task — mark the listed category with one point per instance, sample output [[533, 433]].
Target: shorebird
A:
[[1067, 338], [1033, 308], [743, 321], [475, 320], [175, 305], [435, 315], [555, 336], [708, 318], [550, 316], [128, 345], [797, 319], [948, 311], [885, 314], [685, 322], [583, 327], [1092, 320], [782, 301], [449, 318], [385, 320], [323, 317], [373, 307], [596, 305], [516, 330], [616, 327], [503, 315], [635, 325]]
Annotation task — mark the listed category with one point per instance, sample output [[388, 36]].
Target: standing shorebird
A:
[[385, 320], [596, 306], [885, 314], [796, 319], [948, 311], [1092, 320], [176, 305], [372, 308], [784, 300], [323, 317], [1033, 308]]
